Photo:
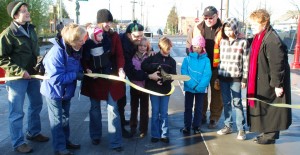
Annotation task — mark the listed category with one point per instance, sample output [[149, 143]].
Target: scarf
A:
[[257, 41]]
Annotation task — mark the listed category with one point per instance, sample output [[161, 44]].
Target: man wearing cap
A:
[[210, 28], [18, 53]]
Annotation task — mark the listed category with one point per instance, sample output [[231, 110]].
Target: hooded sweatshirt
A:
[[234, 56]]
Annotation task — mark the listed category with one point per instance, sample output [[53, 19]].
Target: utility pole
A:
[[227, 9], [133, 9], [77, 11], [142, 4], [221, 14], [109, 5], [60, 10]]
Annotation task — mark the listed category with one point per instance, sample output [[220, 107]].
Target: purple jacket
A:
[[136, 61]]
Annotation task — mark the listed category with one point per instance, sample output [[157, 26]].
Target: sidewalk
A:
[[287, 144]]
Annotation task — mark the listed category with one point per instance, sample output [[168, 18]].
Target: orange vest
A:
[[216, 57]]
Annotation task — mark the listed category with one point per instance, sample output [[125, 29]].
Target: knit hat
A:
[[134, 27], [198, 41], [210, 11], [103, 16], [13, 7], [97, 31]]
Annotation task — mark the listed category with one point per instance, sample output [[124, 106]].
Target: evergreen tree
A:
[[172, 22]]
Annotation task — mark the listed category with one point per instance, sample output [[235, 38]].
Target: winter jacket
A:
[[99, 88], [98, 57], [197, 67], [212, 37], [137, 62], [61, 68], [151, 64], [129, 50], [18, 50], [273, 70], [234, 56]]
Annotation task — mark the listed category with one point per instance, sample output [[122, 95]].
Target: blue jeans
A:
[[16, 95], [231, 92], [114, 122], [188, 112], [58, 111], [159, 120]]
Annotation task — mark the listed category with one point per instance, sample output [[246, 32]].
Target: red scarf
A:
[[257, 41]]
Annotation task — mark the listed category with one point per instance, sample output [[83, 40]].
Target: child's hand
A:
[[121, 73], [89, 71], [159, 82], [243, 85], [154, 76]]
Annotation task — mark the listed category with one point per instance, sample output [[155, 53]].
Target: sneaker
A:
[[24, 148], [225, 130], [241, 135], [212, 124], [37, 138], [185, 130], [197, 130]]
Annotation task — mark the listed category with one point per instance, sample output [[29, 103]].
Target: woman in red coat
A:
[[104, 89]]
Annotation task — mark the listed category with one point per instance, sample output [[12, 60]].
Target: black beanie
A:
[[134, 27], [103, 16], [13, 7]]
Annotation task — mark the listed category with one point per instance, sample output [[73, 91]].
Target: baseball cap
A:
[[210, 11]]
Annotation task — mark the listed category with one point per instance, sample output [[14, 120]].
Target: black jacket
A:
[[129, 50], [151, 64], [272, 71]]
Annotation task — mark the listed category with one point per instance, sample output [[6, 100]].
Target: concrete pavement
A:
[[180, 145]]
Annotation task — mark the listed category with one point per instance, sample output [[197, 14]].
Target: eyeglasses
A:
[[210, 18]]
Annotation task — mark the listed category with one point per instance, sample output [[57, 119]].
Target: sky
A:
[[154, 13]]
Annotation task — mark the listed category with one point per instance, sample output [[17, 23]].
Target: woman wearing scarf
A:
[[268, 81]]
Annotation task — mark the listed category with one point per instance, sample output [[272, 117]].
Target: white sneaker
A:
[[225, 130], [241, 135]]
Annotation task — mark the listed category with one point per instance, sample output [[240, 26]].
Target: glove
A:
[[79, 76]]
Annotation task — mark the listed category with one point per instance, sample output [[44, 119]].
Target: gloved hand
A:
[[79, 75]]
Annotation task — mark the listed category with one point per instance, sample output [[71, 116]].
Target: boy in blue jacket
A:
[[197, 66]]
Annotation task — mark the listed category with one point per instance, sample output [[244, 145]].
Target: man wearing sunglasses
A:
[[210, 28]]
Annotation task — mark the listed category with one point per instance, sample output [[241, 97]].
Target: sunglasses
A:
[[210, 18]]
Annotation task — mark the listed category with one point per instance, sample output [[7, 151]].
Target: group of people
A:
[[216, 51], [260, 64]]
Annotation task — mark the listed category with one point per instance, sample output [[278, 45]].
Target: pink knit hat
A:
[[198, 41], [97, 31]]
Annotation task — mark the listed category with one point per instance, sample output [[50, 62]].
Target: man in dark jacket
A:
[[18, 52], [209, 28], [130, 40]]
